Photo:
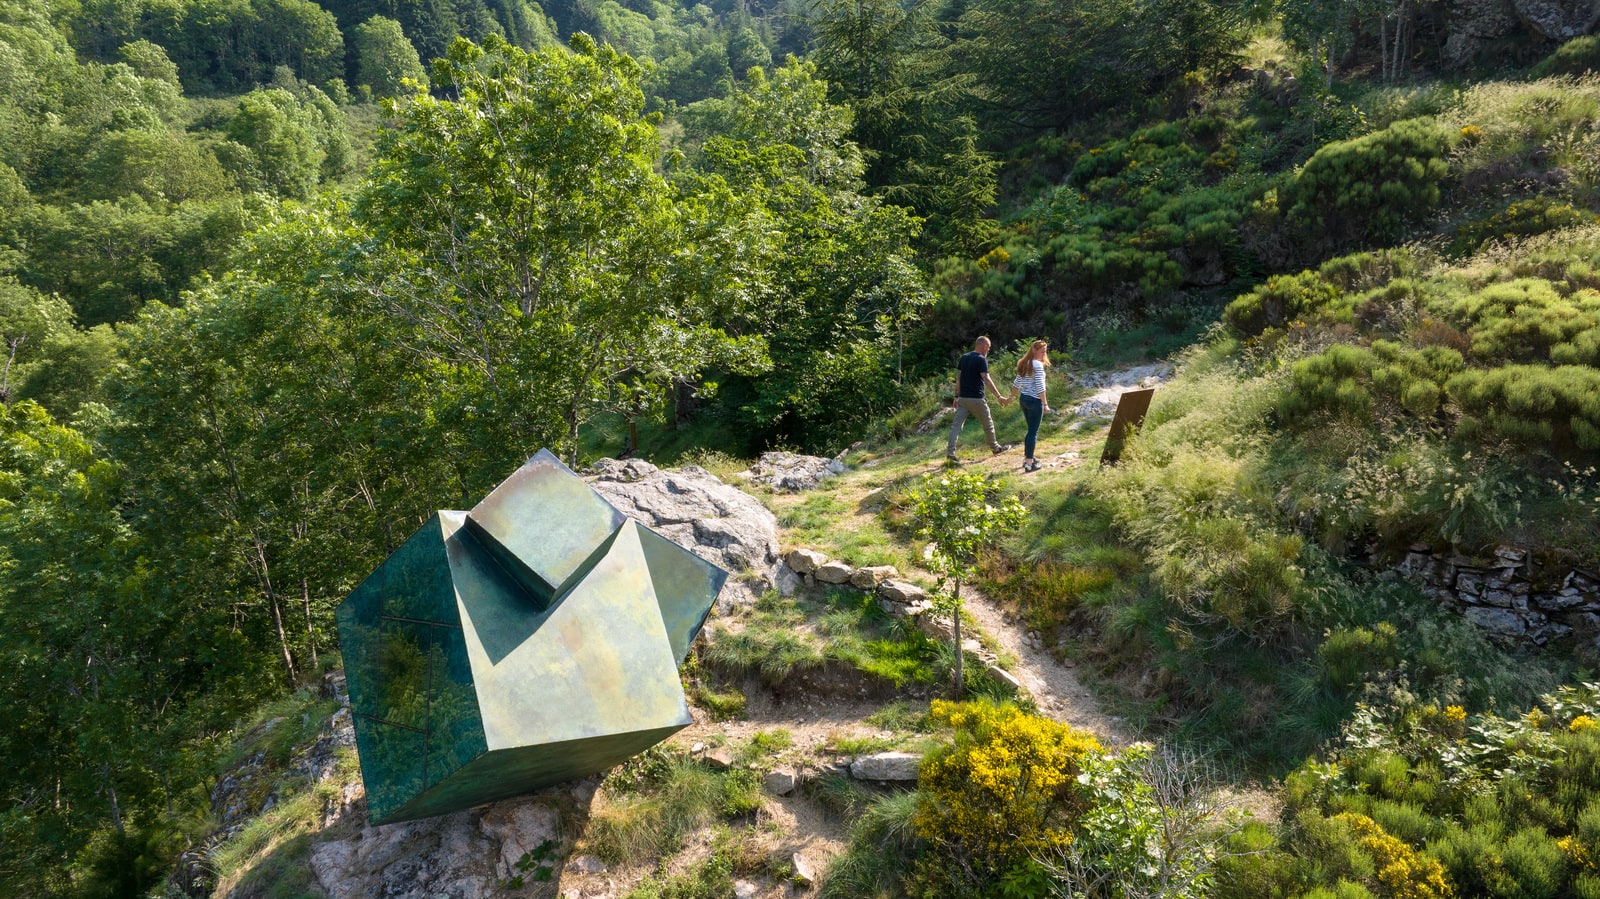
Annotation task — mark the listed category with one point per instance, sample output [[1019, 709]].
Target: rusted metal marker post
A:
[[1131, 409]]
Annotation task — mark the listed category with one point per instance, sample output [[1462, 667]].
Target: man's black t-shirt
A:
[[973, 367]]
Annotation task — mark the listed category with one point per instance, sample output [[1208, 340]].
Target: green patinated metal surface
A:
[[529, 641]]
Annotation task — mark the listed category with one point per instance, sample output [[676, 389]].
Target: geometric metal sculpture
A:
[[532, 640]]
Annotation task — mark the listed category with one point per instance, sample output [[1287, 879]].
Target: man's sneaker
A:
[[1002, 447]]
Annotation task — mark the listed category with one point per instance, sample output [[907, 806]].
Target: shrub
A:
[[1370, 187], [1282, 299], [1532, 320], [1522, 218], [1400, 871], [1578, 56], [1534, 405], [1001, 794]]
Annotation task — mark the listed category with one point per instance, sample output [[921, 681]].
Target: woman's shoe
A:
[[1029, 465]]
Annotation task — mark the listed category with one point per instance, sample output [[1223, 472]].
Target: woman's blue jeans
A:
[[1032, 413]]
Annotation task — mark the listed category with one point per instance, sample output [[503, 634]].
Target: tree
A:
[[384, 58], [27, 320], [836, 283], [961, 513], [531, 249]]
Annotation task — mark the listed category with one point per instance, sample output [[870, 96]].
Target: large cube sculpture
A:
[[529, 641]]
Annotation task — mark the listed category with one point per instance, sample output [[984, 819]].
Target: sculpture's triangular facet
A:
[[532, 640]]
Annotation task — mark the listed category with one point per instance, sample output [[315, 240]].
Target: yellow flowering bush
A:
[[1583, 723], [1579, 853], [1401, 872], [1001, 793]]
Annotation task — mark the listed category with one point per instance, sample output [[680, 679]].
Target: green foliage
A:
[[384, 57], [1468, 813], [1002, 794], [1533, 405], [883, 845], [564, 268], [1579, 56], [708, 879], [834, 285], [650, 816], [1370, 187], [1281, 300], [1522, 218], [285, 145], [960, 512], [1150, 827]]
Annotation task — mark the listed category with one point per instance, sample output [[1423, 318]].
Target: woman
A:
[[1030, 380]]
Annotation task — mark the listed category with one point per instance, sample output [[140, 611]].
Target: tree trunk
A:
[[311, 634], [961, 684], [277, 609]]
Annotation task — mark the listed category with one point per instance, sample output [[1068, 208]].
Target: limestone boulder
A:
[[805, 561], [466, 854], [870, 577], [792, 472], [1558, 20], [694, 508], [891, 767], [780, 781], [833, 572]]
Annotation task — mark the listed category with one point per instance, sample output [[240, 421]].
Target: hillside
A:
[[279, 278]]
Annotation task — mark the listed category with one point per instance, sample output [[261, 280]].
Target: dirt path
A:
[[1055, 688]]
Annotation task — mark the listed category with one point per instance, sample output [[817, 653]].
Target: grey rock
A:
[[624, 471], [1558, 20], [792, 472], [805, 873], [898, 767], [465, 854], [1005, 677], [805, 561], [520, 828], [1559, 602], [746, 889], [834, 572], [1497, 598], [1469, 581], [585, 864], [787, 582], [870, 577], [1500, 622], [780, 781], [691, 507], [903, 592], [720, 758]]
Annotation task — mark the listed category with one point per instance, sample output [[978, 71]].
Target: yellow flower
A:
[[1455, 714], [1583, 723]]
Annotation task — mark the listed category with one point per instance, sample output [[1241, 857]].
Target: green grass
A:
[[902, 715], [728, 705], [648, 811], [270, 857], [783, 637], [294, 720]]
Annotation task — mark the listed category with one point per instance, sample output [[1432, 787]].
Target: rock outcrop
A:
[[1558, 20], [792, 472], [691, 506], [1509, 596], [466, 854]]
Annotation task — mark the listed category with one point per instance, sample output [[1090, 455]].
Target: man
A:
[[972, 373]]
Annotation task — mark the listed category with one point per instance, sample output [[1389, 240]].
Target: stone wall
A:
[[1508, 594]]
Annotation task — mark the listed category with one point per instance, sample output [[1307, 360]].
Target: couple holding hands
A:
[[972, 373]]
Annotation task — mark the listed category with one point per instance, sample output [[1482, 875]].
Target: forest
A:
[[278, 278]]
